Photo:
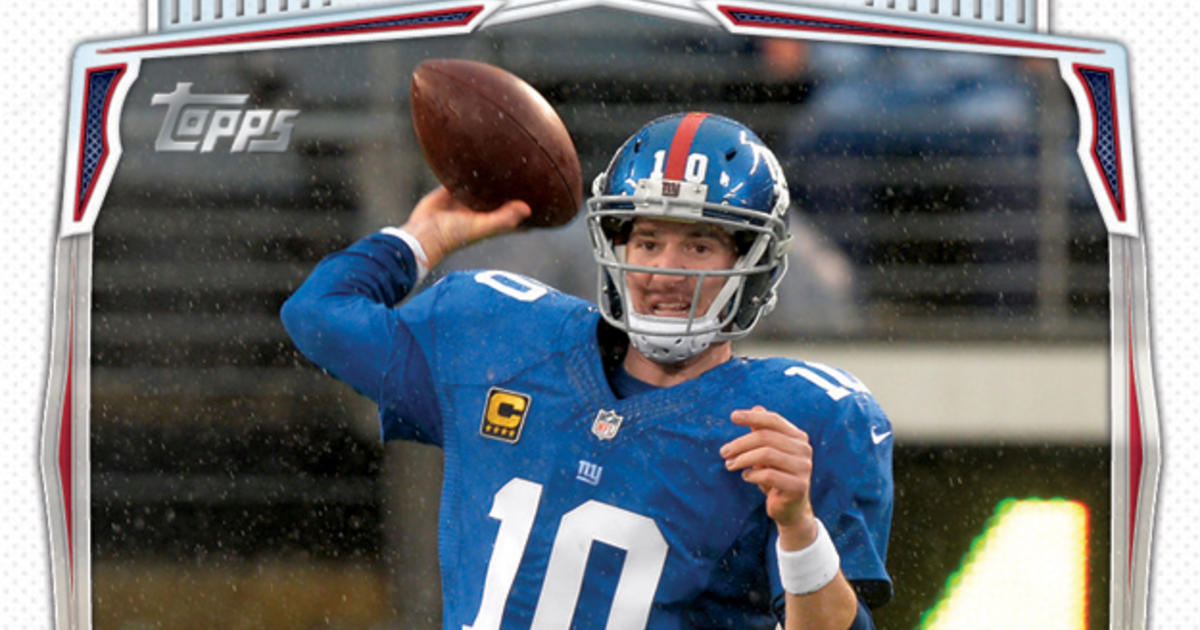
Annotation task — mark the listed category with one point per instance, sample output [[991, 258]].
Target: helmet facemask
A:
[[749, 289], [692, 167]]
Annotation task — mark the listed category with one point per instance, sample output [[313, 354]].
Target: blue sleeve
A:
[[852, 494], [342, 318]]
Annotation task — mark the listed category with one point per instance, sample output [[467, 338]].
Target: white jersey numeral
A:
[[646, 553], [835, 383], [525, 290], [515, 506]]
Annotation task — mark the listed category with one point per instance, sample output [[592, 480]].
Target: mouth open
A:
[[671, 308]]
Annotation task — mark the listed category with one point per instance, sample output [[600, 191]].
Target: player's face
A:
[[678, 245]]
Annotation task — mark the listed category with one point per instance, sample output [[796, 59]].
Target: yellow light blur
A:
[[1028, 570]]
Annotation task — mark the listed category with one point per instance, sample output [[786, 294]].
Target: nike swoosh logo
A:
[[879, 437]]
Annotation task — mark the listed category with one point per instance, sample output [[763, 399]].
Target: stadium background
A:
[[954, 261]]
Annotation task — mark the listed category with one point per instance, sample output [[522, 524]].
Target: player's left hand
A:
[[777, 457]]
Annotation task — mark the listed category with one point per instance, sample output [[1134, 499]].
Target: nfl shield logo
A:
[[606, 424]]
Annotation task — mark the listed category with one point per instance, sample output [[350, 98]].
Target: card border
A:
[[1096, 72]]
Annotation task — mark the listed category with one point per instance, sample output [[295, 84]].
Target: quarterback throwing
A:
[[614, 465]]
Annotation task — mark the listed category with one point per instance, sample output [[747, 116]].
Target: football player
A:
[[614, 465]]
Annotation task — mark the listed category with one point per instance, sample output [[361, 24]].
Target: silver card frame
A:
[[1097, 73]]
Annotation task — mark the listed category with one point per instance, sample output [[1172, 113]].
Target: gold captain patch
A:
[[504, 415]]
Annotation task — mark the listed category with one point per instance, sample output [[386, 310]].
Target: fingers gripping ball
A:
[[490, 137]]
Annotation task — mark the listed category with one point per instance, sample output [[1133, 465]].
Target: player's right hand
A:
[[442, 224]]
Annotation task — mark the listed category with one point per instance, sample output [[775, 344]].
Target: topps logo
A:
[[197, 122]]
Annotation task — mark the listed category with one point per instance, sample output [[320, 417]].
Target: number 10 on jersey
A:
[[515, 506]]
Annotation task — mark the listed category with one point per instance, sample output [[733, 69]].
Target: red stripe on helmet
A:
[[681, 144]]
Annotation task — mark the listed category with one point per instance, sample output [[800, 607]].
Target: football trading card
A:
[[966, 240]]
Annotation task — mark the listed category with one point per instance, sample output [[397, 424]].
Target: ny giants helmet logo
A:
[[197, 122]]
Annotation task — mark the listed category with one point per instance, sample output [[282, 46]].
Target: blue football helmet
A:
[[692, 166]]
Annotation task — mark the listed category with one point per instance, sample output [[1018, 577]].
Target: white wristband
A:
[[414, 245], [810, 569]]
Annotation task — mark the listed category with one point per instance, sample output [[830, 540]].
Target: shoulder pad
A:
[[810, 383], [818, 398], [493, 323]]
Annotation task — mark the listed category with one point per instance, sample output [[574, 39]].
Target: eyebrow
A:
[[697, 231]]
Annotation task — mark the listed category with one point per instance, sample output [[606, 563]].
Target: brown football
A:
[[490, 137]]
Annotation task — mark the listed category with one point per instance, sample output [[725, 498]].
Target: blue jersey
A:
[[564, 506]]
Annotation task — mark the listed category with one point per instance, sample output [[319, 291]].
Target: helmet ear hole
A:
[[730, 154], [617, 230], [742, 241], [610, 296], [757, 290]]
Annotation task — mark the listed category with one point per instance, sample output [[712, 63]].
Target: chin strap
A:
[[664, 342]]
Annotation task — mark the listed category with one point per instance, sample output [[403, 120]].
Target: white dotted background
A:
[[39, 37]]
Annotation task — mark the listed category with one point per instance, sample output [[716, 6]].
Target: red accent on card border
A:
[[82, 196], [873, 29], [349, 27], [1135, 448], [65, 450], [1117, 197]]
